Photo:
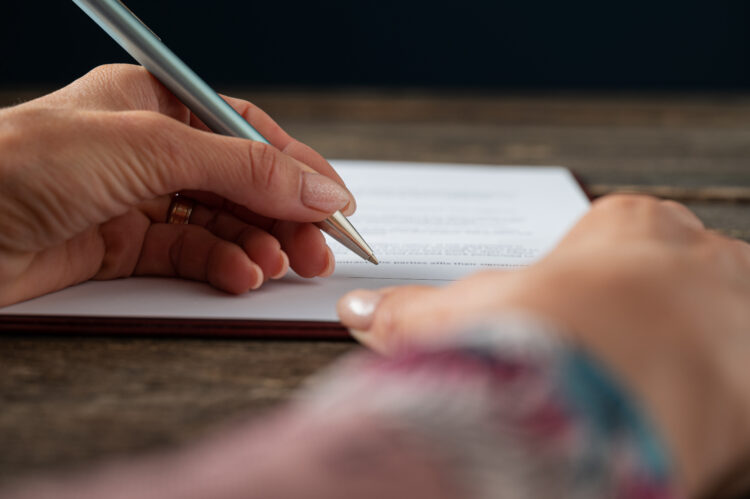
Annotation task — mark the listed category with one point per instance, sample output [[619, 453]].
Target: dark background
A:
[[615, 44]]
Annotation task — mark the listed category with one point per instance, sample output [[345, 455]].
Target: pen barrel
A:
[[146, 48]]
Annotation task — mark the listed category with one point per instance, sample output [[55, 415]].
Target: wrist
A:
[[679, 384]]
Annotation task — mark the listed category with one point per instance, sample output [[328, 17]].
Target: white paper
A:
[[427, 224]]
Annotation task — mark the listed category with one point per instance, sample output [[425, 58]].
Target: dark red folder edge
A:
[[182, 327], [146, 326]]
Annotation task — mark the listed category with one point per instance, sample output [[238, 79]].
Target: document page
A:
[[439, 222], [427, 224]]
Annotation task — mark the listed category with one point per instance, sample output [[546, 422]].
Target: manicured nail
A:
[[321, 193], [350, 208], [330, 264], [357, 309], [283, 266]]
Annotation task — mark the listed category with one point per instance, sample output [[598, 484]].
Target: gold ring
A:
[[180, 210]]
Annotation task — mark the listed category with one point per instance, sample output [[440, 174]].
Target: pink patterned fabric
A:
[[507, 411]]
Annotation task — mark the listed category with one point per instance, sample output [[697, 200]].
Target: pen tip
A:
[[373, 259]]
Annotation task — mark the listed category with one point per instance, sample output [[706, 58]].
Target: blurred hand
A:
[[644, 287], [86, 175]]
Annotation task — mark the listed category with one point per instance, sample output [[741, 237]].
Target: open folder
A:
[[427, 223]]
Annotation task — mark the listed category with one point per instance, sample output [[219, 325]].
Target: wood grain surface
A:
[[69, 401]]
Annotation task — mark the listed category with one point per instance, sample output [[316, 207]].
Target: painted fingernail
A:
[[357, 309], [321, 193], [330, 264], [283, 266], [350, 208]]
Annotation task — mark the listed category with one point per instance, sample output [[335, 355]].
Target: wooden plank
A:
[[671, 110], [67, 401], [679, 140], [693, 157], [518, 109], [688, 140]]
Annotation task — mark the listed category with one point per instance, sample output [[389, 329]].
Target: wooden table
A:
[[68, 401]]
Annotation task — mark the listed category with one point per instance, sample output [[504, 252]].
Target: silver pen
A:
[[147, 48]]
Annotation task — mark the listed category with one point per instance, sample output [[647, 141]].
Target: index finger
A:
[[276, 135]]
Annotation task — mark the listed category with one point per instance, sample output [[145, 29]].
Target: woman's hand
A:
[[641, 284], [86, 175]]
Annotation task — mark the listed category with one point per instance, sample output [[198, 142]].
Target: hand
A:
[[643, 286], [86, 175]]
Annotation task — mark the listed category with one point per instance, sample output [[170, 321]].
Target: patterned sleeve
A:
[[507, 410], [510, 410]]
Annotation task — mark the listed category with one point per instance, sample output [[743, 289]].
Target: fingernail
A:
[[258, 276], [283, 266], [350, 208], [330, 264], [321, 193], [357, 309]]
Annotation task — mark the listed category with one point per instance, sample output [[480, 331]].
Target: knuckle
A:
[[119, 75], [622, 203], [176, 254], [101, 73], [680, 213], [213, 223], [674, 205], [619, 212], [152, 146], [265, 166], [246, 109], [742, 250], [133, 85], [647, 215], [295, 145], [724, 246], [255, 116], [116, 71], [714, 247], [737, 249]]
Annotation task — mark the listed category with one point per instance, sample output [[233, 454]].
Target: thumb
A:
[[390, 319], [172, 156], [387, 319]]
